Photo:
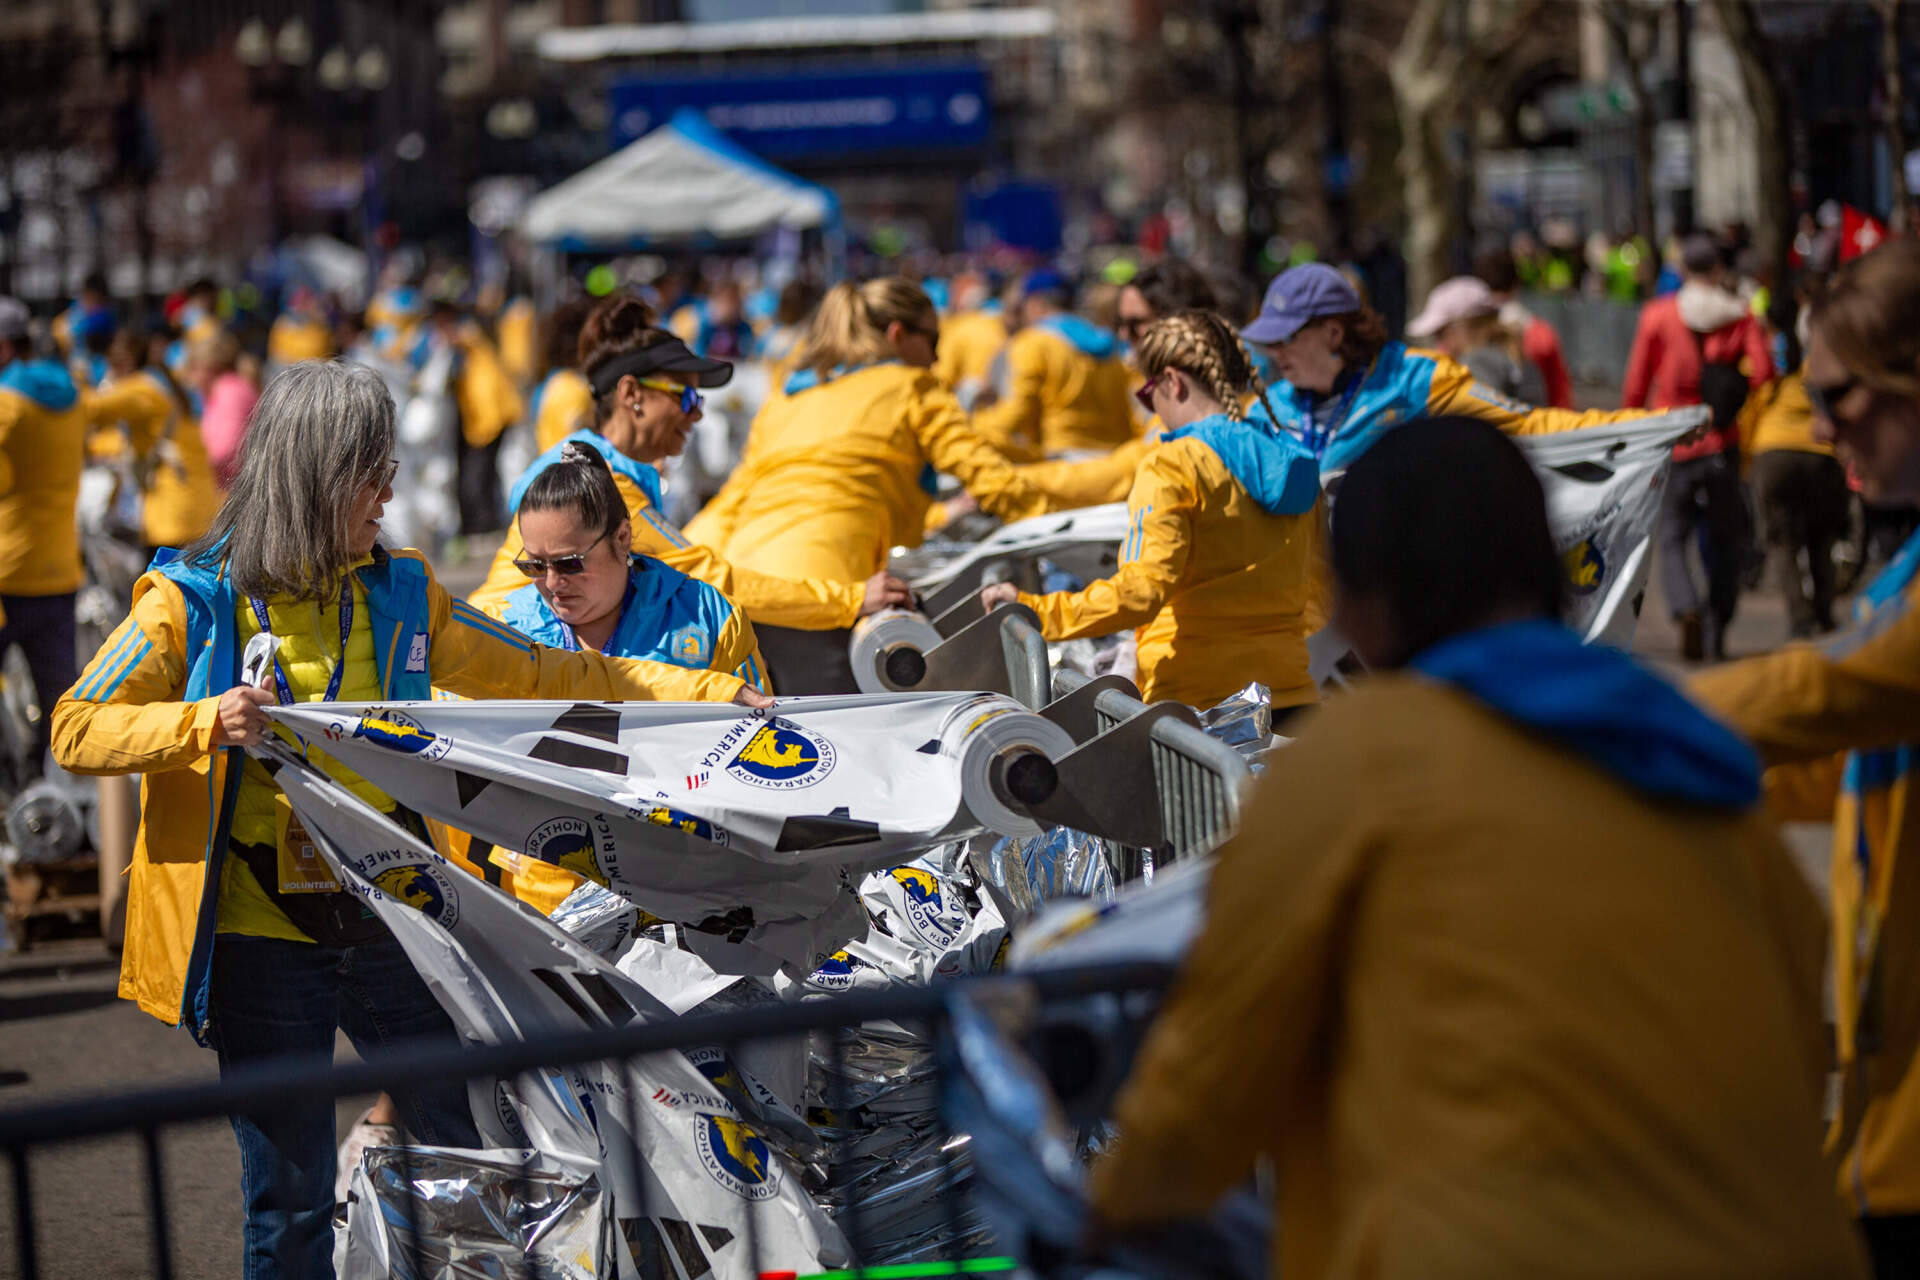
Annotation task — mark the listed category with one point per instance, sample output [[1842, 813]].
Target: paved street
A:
[[62, 1031]]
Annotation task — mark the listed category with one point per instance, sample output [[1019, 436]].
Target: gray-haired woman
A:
[[226, 933]]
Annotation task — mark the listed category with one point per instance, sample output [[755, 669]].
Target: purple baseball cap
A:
[[1298, 296]]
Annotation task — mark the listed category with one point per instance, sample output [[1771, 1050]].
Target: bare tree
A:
[[1632, 29], [1452, 53], [1893, 106], [1772, 131]]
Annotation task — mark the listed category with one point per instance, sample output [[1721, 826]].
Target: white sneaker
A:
[[359, 1138]]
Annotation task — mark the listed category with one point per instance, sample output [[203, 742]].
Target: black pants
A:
[[1703, 501], [480, 489], [800, 662], [43, 628], [1893, 1243], [1803, 507]]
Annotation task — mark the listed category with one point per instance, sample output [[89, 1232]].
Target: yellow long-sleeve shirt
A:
[[835, 478], [1059, 399], [562, 405], [968, 343], [1492, 1014], [181, 496], [807, 604], [1803, 707], [1780, 416], [1219, 588]]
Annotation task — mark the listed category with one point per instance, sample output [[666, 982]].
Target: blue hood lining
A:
[[1277, 471], [1083, 335], [45, 382], [1605, 706]]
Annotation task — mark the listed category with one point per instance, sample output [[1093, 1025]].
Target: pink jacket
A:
[[223, 422]]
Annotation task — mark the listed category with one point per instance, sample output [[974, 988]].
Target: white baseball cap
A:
[[1461, 298]]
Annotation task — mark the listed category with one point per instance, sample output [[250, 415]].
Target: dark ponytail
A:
[[580, 482]]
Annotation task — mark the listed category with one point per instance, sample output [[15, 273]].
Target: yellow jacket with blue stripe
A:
[[1217, 569], [1840, 723], [841, 472], [148, 703], [809, 604], [1066, 391], [43, 441], [1492, 1013], [181, 495]]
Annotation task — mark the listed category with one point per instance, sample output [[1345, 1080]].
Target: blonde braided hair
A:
[[1205, 347]]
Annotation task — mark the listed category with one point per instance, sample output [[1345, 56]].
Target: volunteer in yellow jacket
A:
[[1343, 386], [142, 403], [562, 403], [1802, 494], [843, 465], [1067, 389], [645, 385], [232, 929], [1858, 693], [1217, 568], [587, 590], [1505, 973], [42, 452], [970, 337]]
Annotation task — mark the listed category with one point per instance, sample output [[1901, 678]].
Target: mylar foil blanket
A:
[[695, 1152], [701, 813], [475, 1210]]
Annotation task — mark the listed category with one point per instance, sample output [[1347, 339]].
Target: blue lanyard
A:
[[1317, 437], [281, 688]]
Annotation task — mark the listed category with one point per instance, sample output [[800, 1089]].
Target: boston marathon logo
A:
[[835, 974], [388, 728], [568, 843], [661, 815], [737, 1159], [926, 907], [776, 754], [1586, 568], [424, 889]]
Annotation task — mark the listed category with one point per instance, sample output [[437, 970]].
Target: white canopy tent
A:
[[684, 181]]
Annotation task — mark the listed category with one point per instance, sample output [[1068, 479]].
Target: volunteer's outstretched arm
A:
[[1857, 690], [1088, 482], [1152, 556], [1454, 390], [1237, 1051], [953, 445]]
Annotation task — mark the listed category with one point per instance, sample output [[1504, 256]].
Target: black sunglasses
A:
[[1824, 398], [565, 566]]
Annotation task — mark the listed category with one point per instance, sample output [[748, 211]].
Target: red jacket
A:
[[1540, 344], [1664, 370]]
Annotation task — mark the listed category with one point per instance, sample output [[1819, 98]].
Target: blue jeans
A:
[[275, 999]]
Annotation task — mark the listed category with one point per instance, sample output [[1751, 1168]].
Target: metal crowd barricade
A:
[[146, 1115], [1145, 775]]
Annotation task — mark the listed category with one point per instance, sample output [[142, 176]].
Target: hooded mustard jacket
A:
[[562, 405], [968, 343], [43, 441], [1837, 723], [1066, 390], [1217, 569], [1508, 978], [181, 496], [148, 703], [807, 604], [841, 471]]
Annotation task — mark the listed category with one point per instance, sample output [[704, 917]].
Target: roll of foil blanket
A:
[[1006, 756], [887, 650]]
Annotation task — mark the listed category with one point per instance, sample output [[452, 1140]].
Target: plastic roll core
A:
[[1026, 777], [905, 667]]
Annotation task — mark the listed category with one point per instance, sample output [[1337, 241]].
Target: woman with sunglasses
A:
[[1839, 724], [1343, 384], [842, 466], [232, 930], [588, 590], [1217, 571], [646, 386]]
